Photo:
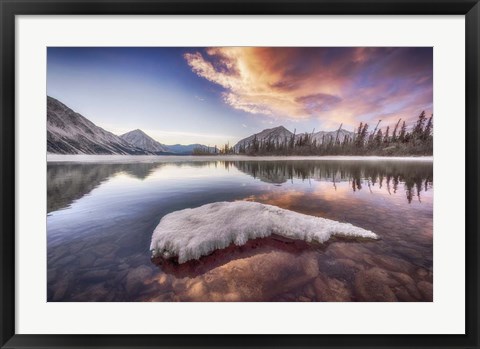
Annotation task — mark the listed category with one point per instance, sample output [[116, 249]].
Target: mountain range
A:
[[69, 132]]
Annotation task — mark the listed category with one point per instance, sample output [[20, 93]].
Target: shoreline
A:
[[82, 158]]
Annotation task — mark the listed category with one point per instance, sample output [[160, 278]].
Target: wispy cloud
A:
[[332, 85]]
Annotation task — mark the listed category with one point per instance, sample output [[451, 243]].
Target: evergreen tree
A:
[[417, 132], [363, 135], [428, 128], [403, 132], [394, 134], [386, 139], [378, 138], [358, 135]]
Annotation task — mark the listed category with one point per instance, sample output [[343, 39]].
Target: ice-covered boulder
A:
[[193, 233]]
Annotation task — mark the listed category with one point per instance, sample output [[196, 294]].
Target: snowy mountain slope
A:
[[141, 140], [71, 133], [279, 133], [324, 136]]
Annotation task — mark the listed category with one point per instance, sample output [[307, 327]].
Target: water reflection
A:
[[69, 182], [417, 177], [101, 217]]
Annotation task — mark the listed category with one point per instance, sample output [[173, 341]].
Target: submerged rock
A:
[[426, 288], [61, 286], [86, 260], [373, 285], [95, 274], [422, 272], [393, 264], [60, 289], [260, 277], [136, 278], [331, 290]]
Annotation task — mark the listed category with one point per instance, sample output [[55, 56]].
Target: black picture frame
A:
[[10, 8]]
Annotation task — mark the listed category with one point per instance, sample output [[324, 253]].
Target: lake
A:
[[101, 216]]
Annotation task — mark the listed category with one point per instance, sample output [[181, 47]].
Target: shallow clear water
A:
[[101, 218]]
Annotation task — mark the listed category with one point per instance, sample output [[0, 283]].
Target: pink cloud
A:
[[333, 85]]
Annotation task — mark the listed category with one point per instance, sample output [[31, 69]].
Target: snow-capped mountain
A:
[[279, 133], [71, 133], [141, 140]]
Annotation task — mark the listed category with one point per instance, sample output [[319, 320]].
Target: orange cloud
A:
[[333, 85]]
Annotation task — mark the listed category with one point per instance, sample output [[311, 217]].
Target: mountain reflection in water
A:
[[69, 182], [101, 217]]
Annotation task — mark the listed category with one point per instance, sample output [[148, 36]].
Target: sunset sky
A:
[[215, 95]]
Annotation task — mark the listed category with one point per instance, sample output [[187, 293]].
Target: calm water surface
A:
[[101, 217]]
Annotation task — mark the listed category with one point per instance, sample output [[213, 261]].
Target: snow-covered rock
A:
[[193, 233]]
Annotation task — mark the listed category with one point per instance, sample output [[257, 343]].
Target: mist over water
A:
[[101, 217]]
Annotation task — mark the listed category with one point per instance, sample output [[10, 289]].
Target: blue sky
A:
[[218, 95]]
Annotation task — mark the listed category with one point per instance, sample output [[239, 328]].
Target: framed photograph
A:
[[194, 174]]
